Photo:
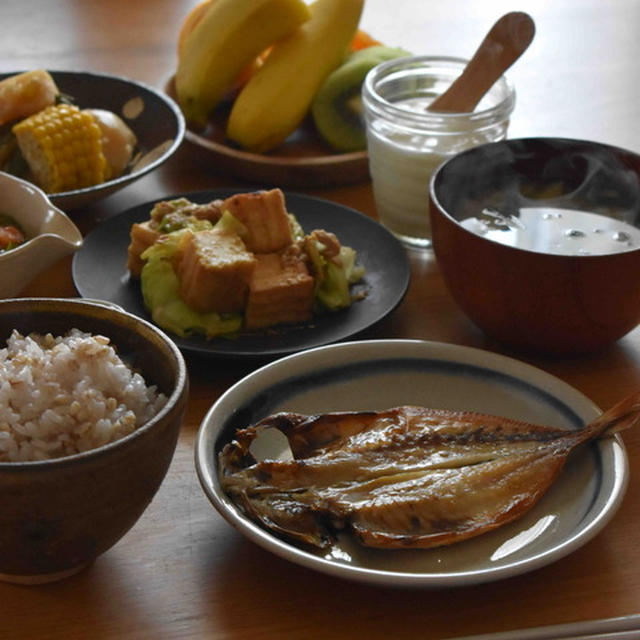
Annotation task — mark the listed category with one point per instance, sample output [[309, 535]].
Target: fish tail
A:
[[621, 416]]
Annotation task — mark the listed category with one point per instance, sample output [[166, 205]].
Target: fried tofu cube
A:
[[280, 291], [143, 235], [214, 269], [264, 214]]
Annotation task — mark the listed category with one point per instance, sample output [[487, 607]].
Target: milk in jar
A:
[[406, 142]]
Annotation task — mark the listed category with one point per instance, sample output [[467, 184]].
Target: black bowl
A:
[[152, 115]]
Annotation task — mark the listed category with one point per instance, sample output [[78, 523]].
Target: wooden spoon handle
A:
[[502, 46]]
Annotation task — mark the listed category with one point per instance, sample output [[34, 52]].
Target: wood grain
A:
[[303, 160], [182, 571]]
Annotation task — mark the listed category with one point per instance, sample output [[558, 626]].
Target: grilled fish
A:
[[407, 477]]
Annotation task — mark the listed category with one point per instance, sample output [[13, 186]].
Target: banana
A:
[[276, 99], [228, 36]]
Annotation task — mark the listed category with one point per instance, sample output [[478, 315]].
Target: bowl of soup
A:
[[538, 241]]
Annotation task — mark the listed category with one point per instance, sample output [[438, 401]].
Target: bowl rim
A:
[[46, 208], [448, 121], [435, 200], [128, 177], [173, 399]]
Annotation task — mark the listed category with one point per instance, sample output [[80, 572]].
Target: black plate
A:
[[100, 271]]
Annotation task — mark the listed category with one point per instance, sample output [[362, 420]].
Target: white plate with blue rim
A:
[[379, 374]]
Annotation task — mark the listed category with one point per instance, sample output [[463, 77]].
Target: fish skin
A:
[[406, 477]]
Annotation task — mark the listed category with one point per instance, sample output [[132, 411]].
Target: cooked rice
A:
[[63, 395]]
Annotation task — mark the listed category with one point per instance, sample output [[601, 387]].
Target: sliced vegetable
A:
[[333, 274], [230, 223], [11, 235]]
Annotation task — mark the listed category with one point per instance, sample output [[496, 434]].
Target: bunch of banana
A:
[[276, 99], [226, 37], [285, 60]]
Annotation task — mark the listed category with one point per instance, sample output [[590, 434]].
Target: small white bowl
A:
[[51, 235]]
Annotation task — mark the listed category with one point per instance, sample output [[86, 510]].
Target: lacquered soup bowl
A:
[[530, 298]]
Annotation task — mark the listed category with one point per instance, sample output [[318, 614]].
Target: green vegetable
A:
[[165, 247], [230, 223], [333, 276], [297, 231], [354, 272], [160, 210], [333, 291], [175, 221]]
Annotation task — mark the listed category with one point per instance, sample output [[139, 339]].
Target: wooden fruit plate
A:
[[303, 160]]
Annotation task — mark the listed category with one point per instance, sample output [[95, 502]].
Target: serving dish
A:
[[555, 225], [100, 271], [379, 374], [303, 160], [59, 514], [154, 118], [50, 234]]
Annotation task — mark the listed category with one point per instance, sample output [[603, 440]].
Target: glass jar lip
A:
[[484, 117]]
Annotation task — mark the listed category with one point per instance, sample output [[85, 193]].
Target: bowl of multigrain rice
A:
[[91, 403]]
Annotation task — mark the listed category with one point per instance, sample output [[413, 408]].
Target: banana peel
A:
[[228, 35], [276, 99]]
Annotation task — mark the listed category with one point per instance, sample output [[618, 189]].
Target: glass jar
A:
[[406, 142]]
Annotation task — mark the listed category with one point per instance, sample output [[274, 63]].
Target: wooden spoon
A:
[[502, 46]]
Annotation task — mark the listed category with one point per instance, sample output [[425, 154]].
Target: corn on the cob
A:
[[25, 94], [63, 148]]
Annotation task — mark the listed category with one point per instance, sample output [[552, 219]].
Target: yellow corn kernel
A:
[[63, 147]]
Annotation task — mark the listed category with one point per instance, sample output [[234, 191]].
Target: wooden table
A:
[[183, 572]]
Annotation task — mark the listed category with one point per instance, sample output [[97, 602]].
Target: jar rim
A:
[[376, 103]]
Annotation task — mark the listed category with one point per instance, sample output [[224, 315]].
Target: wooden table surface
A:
[[182, 571]]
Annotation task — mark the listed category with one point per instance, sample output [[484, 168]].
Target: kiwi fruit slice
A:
[[337, 107]]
